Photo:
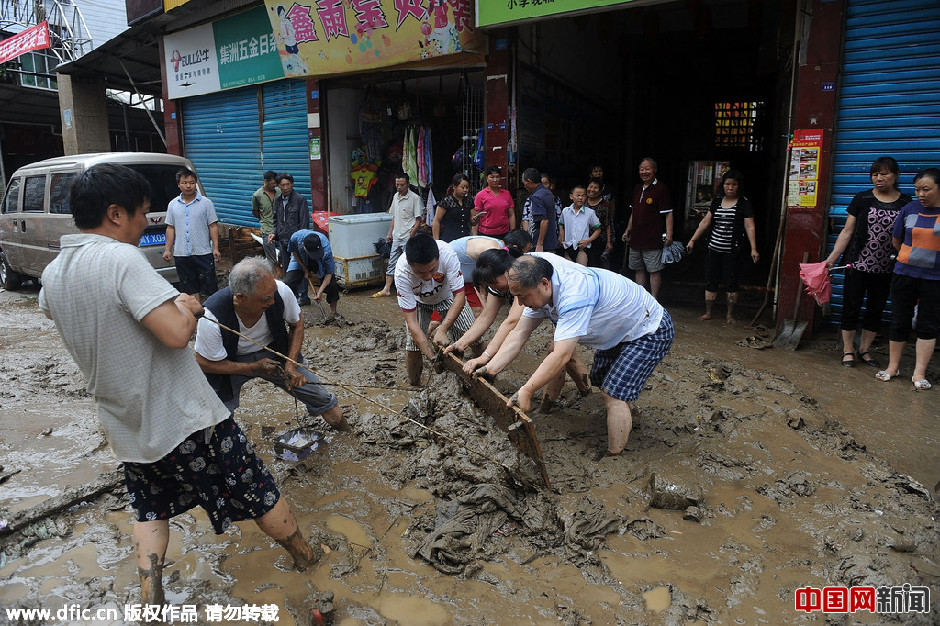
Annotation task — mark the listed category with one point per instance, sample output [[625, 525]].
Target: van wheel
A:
[[8, 278]]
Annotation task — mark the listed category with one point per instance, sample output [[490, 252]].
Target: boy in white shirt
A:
[[578, 227]]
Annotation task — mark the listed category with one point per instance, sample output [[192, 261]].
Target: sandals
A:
[[869, 361], [884, 376], [378, 294], [921, 385], [848, 363]]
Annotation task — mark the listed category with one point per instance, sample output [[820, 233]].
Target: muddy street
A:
[[749, 474]]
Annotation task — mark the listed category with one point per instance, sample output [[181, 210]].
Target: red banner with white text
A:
[[33, 38]]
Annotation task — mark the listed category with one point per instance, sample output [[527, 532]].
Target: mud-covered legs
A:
[[280, 524], [150, 542]]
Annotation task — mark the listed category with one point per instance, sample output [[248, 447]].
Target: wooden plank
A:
[[511, 420]]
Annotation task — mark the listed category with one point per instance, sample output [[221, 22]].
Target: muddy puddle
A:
[[749, 474]]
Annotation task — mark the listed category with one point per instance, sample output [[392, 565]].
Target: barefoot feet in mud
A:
[[311, 555], [547, 405], [705, 317]]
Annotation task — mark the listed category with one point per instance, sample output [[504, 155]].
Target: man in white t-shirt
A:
[[406, 210], [629, 331], [428, 279], [128, 330], [258, 306]]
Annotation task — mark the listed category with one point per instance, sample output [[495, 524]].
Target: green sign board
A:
[[246, 49], [503, 12]]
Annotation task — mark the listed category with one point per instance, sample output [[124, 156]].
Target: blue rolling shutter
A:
[[888, 103], [223, 140], [284, 146]]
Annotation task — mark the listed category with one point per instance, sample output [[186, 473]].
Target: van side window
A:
[[59, 190], [12, 197], [33, 196]]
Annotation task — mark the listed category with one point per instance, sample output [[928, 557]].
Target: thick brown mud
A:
[[749, 474]]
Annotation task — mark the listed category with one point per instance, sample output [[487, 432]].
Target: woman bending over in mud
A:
[[491, 273], [468, 250]]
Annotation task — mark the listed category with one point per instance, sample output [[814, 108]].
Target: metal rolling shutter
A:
[[223, 140], [888, 101], [284, 146]]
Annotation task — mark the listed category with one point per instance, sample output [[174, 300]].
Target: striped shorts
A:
[[461, 325], [621, 371]]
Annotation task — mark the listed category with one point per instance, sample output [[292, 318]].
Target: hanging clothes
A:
[[411, 153], [429, 207], [404, 155], [364, 178], [427, 155], [422, 162]]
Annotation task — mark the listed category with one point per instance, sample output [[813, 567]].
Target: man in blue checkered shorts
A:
[[428, 279], [629, 331]]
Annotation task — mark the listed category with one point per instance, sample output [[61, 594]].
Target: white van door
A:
[[35, 251], [11, 223], [59, 220]]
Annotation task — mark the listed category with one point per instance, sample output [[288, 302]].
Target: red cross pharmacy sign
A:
[[33, 38]]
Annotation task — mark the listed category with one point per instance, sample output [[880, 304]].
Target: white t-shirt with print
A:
[[447, 281]]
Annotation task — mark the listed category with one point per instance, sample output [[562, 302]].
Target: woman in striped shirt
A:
[[730, 217]]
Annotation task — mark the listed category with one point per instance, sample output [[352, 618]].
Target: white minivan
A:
[[35, 211]]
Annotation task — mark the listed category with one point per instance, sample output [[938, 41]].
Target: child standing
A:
[[578, 227]]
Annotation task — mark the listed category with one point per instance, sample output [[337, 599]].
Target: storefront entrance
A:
[[377, 126]]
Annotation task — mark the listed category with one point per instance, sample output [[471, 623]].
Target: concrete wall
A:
[[84, 114]]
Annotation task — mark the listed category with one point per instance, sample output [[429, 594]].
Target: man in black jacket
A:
[[258, 307], [290, 215]]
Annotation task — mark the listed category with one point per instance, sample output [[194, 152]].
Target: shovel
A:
[[792, 330]]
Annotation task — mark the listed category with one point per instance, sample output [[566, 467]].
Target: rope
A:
[[356, 393]]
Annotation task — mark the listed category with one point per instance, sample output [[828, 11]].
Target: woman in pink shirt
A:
[[493, 212]]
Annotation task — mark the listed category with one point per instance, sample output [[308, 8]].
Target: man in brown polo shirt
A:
[[650, 227]]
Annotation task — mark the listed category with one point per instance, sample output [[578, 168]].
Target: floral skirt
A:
[[223, 476]]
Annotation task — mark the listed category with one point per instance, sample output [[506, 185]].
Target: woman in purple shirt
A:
[[866, 241]]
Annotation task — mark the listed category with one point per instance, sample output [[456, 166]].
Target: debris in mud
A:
[[315, 610], [5, 475], [644, 529], [667, 495], [464, 525], [756, 342], [298, 444], [693, 514], [335, 320], [586, 529]]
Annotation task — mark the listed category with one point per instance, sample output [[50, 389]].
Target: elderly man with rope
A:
[[243, 336]]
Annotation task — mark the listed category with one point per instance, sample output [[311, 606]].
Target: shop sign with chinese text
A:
[[321, 37], [228, 53]]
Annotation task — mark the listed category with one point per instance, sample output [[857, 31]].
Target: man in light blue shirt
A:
[[192, 237], [629, 331]]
